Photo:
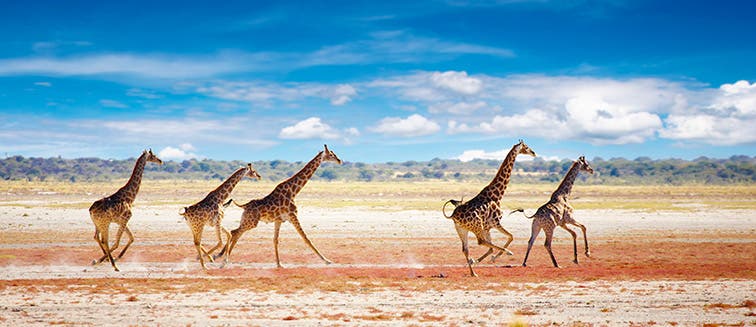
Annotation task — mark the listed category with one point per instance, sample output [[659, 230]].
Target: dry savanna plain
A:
[[660, 255]]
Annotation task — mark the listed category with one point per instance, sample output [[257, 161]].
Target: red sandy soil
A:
[[416, 263]]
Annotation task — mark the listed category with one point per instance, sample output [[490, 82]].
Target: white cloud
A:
[[352, 131], [728, 119], [456, 81], [342, 94], [469, 155], [187, 147], [112, 104], [309, 128], [45, 84], [266, 92], [397, 46], [433, 87], [181, 153], [148, 66], [415, 125]]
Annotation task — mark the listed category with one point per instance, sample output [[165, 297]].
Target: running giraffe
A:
[[209, 212], [117, 209], [557, 212], [279, 207], [483, 212]]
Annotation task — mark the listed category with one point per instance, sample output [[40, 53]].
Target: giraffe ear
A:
[[249, 165]]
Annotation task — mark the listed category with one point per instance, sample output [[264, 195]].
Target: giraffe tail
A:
[[228, 203], [182, 211], [523, 213], [455, 203]]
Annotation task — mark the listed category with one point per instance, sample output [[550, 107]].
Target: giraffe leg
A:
[[115, 244], [463, 237], [506, 246], [547, 244], [247, 223], [99, 243], [574, 243], [585, 238], [220, 241], [233, 237], [104, 245], [276, 230], [225, 248], [295, 222], [534, 231], [200, 250], [490, 250], [131, 240]]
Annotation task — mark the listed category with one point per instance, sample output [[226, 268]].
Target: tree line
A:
[[619, 171]]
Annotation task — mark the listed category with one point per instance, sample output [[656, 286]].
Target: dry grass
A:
[[391, 195]]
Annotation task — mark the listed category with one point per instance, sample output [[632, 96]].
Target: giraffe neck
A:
[[295, 183], [221, 193], [495, 190], [129, 191], [565, 187]]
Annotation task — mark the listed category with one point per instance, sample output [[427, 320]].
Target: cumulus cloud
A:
[[432, 87], [415, 125], [727, 119], [183, 152], [310, 128], [342, 94], [456, 81]]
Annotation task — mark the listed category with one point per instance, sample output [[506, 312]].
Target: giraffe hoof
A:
[[94, 262], [509, 252], [328, 262], [524, 265], [575, 261], [588, 254], [472, 261]]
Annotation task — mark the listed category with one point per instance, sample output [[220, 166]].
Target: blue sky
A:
[[388, 81]]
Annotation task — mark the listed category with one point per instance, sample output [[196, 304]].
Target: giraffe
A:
[[117, 209], [279, 207], [483, 212], [209, 212], [557, 212]]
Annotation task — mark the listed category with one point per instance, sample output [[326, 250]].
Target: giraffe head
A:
[[151, 157], [584, 166], [251, 172], [524, 149], [328, 155]]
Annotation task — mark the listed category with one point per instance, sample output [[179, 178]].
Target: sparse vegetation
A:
[[618, 171]]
